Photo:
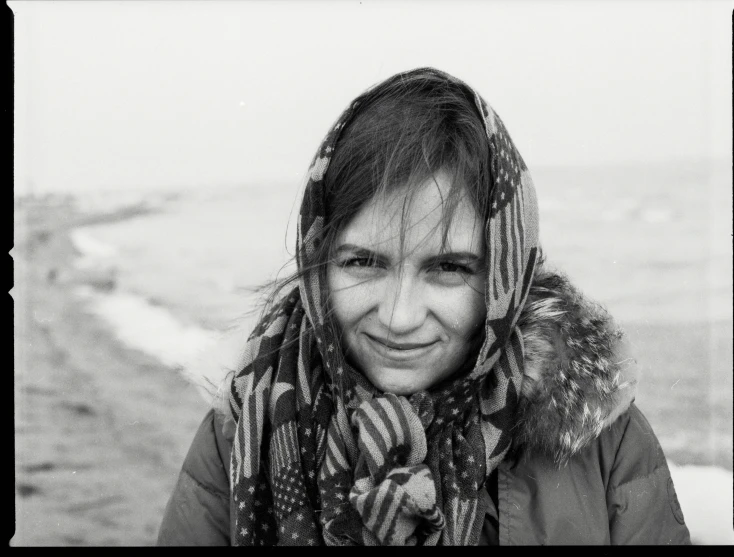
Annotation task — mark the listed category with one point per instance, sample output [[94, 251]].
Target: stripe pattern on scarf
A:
[[393, 492]]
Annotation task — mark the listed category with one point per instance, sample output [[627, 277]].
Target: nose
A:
[[401, 308]]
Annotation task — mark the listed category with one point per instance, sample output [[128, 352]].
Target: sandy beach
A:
[[101, 429]]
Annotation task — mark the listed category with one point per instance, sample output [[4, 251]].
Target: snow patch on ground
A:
[[705, 496], [147, 327], [90, 247]]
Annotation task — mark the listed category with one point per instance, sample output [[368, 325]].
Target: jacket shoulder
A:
[[198, 510], [207, 461], [634, 445], [642, 503]]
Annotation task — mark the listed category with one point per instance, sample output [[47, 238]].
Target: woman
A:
[[428, 381]]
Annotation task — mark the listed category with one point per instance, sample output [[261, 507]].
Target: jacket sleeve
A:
[[198, 509], [641, 500]]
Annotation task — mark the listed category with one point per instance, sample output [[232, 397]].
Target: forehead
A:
[[415, 220]]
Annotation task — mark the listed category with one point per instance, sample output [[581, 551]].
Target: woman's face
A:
[[409, 312]]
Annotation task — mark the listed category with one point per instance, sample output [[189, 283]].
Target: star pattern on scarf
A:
[[507, 168], [502, 327], [502, 419], [288, 492]]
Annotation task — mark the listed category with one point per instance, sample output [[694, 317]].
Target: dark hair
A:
[[403, 132], [406, 130]]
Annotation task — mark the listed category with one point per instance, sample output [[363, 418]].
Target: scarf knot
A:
[[394, 492]]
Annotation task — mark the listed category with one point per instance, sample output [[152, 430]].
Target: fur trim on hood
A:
[[578, 376]]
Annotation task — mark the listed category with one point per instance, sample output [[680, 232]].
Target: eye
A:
[[361, 267], [359, 262], [451, 273], [451, 267]]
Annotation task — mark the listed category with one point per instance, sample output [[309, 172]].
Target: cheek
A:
[[347, 300], [466, 312], [336, 297]]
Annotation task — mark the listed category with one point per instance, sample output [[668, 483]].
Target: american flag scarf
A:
[[320, 456]]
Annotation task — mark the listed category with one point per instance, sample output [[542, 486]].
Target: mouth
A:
[[399, 350]]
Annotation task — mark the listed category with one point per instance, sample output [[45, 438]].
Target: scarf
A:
[[322, 457]]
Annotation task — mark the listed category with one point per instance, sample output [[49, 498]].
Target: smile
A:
[[399, 350]]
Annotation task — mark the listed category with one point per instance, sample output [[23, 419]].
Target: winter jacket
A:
[[561, 484]]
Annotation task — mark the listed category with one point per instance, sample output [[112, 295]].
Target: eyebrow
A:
[[359, 251]]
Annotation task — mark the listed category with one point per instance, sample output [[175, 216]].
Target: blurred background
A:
[[160, 149]]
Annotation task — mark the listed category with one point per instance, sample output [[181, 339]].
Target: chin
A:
[[402, 386]]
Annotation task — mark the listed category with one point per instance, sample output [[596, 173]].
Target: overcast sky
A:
[[167, 94]]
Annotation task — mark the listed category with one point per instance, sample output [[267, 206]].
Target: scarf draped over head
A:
[[322, 457]]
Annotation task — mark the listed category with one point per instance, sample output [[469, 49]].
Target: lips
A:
[[400, 345], [399, 351]]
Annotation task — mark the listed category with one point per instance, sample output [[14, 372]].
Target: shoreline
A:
[[101, 430]]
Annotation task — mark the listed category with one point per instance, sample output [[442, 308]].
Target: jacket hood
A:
[[578, 375]]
